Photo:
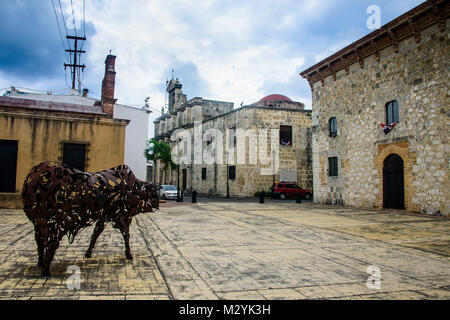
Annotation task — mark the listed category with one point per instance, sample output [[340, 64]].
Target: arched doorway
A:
[[393, 184]]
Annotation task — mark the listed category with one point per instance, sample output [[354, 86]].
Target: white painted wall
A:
[[136, 135], [136, 132]]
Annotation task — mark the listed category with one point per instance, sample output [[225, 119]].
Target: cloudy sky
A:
[[219, 49]]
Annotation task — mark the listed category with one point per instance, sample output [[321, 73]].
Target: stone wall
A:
[[417, 77], [248, 176]]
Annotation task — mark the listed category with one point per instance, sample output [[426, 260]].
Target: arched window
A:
[[333, 127], [392, 112]]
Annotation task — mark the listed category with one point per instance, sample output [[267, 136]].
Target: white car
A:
[[168, 191]]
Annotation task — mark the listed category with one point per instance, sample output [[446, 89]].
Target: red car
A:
[[285, 190]]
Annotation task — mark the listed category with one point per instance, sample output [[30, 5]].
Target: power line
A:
[[64, 22], [73, 19], [84, 18], [59, 30]]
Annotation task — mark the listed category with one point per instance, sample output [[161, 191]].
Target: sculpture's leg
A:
[[40, 244], [124, 229], [99, 227], [50, 250]]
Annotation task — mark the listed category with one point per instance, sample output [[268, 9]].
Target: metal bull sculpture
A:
[[61, 200]]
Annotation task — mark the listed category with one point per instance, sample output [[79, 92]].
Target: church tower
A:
[[174, 91]]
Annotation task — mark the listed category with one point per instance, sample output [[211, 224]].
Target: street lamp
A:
[[273, 164], [228, 187], [178, 184], [178, 171]]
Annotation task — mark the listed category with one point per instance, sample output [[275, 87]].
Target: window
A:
[[391, 112], [74, 155], [232, 172], [203, 173], [333, 167], [333, 127], [172, 99], [286, 135]]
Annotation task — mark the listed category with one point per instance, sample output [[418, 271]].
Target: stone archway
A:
[[393, 182], [400, 148]]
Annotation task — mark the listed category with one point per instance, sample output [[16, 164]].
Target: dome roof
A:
[[275, 97]]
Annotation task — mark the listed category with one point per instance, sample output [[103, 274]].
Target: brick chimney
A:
[[108, 83]]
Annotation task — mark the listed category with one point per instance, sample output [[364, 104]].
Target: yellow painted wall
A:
[[39, 139]]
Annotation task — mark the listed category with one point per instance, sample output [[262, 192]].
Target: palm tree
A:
[[166, 158], [159, 150], [152, 152]]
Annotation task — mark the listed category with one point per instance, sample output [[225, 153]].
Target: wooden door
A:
[[393, 183]]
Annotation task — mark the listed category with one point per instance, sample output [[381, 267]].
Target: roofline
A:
[[19, 96], [190, 103], [65, 117], [25, 104], [408, 24], [249, 107]]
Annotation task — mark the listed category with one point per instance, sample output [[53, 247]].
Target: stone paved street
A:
[[239, 249]]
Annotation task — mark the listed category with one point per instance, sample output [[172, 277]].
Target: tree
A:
[[166, 158], [159, 150], [152, 153]]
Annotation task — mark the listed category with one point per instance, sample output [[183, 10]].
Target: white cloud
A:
[[148, 36]]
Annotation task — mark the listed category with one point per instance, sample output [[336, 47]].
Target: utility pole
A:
[[74, 65]]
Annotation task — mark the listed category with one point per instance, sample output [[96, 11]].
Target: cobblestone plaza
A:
[[240, 249]]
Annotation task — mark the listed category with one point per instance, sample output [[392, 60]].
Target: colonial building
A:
[[87, 137], [136, 132], [251, 146], [380, 116]]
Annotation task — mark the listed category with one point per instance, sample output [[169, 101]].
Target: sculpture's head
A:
[[151, 196]]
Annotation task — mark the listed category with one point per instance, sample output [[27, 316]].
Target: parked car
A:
[[168, 191], [285, 190]]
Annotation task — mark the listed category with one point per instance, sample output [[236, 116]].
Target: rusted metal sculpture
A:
[[61, 200]]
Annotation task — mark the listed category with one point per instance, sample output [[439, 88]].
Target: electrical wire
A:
[[80, 82], [73, 17], [84, 18], [64, 20], [59, 30]]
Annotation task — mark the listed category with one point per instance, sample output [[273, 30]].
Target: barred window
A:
[[286, 135], [74, 155]]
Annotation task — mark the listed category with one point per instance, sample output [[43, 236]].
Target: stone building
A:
[[397, 75], [87, 137], [251, 146]]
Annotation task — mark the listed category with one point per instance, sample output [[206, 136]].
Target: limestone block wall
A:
[[417, 77], [248, 175]]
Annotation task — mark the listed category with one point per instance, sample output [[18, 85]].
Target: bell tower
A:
[[174, 91]]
